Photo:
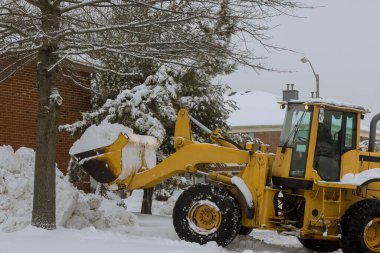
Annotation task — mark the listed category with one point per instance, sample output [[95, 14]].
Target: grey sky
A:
[[341, 39]]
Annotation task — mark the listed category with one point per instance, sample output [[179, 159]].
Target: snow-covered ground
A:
[[151, 233], [89, 223]]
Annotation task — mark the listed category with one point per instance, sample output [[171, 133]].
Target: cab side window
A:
[[350, 137]]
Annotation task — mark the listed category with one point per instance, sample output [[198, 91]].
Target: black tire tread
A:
[[353, 223], [231, 214]]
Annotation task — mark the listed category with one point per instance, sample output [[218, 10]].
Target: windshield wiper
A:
[[293, 132]]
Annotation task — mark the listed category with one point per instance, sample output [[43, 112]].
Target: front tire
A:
[[361, 228], [320, 245], [206, 213]]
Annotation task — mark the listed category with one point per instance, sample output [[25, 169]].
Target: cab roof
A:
[[329, 103]]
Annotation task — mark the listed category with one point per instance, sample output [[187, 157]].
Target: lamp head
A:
[[304, 59]]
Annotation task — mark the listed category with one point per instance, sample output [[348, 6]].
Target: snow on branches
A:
[[151, 107], [84, 33], [133, 106]]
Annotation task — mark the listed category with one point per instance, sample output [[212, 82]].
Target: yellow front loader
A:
[[319, 186]]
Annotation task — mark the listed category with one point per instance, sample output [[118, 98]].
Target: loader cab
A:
[[314, 137]]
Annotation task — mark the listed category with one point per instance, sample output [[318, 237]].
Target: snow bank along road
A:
[[89, 223]]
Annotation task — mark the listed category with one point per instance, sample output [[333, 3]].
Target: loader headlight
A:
[[306, 107]]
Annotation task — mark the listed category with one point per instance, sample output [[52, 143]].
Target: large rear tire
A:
[[320, 245], [361, 228], [206, 213]]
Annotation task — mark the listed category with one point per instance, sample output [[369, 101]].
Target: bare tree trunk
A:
[[49, 102], [146, 207]]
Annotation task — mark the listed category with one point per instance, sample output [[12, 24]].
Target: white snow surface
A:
[[74, 209], [104, 134], [240, 184], [257, 108], [334, 102], [96, 225], [97, 136], [360, 178]]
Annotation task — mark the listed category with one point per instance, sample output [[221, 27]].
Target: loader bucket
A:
[[103, 164]]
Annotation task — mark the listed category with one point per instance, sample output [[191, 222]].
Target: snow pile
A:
[[94, 211], [99, 136], [360, 178], [66, 197], [166, 208], [16, 198], [16, 190], [140, 150]]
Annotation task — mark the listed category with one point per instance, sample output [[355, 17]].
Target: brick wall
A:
[[18, 113], [272, 138]]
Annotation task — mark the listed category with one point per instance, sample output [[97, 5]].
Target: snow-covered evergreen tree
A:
[[151, 107]]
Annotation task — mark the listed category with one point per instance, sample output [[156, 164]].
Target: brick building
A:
[[259, 116], [18, 115]]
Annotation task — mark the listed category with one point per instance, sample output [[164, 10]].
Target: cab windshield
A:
[[296, 127], [295, 134]]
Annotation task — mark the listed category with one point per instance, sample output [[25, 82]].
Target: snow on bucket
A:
[[111, 153]]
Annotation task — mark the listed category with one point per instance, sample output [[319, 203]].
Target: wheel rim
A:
[[204, 217], [372, 235]]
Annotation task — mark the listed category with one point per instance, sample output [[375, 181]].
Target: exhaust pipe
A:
[[372, 133]]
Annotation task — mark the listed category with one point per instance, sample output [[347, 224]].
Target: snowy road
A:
[[153, 227], [90, 240], [258, 241], [152, 234]]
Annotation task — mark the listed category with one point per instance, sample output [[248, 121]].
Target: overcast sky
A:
[[341, 39]]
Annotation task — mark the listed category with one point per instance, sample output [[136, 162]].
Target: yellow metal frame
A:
[[256, 173], [185, 160]]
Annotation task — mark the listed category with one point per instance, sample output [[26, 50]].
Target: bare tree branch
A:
[[34, 2], [81, 5]]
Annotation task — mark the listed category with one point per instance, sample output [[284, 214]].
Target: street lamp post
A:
[[304, 60]]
